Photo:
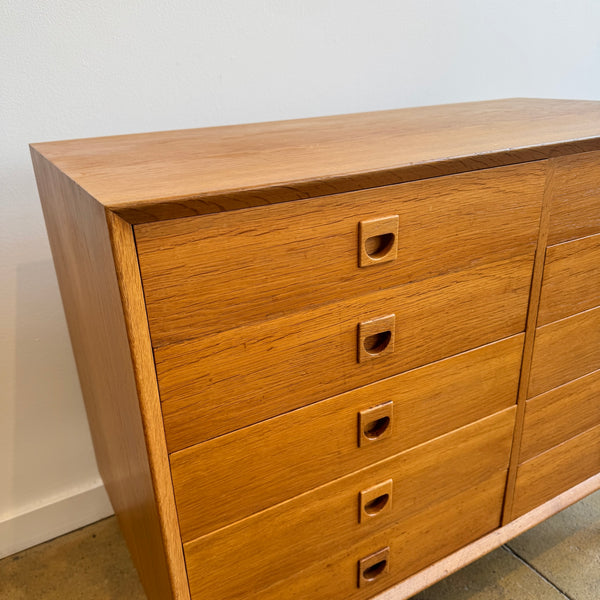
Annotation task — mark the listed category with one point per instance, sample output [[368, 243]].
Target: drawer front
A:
[[217, 384], [413, 545], [557, 470], [571, 282], [290, 536], [268, 463], [203, 275], [565, 350], [575, 209], [560, 414]]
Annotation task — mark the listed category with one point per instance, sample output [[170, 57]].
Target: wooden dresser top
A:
[[154, 176]]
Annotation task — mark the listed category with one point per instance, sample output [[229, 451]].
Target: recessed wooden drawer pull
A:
[[376, 338], [375, 424], [377, 241], [373, 567], [375, 501]]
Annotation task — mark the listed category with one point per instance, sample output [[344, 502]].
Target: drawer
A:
[[268, 463], [292, 535], [571, 282], [309, 528], [575, 208], [413, 545], [217, 384], [556, 470], [560, 414], [206, 274], [565, 350]]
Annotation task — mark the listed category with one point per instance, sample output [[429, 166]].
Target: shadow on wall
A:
[[49, 450]]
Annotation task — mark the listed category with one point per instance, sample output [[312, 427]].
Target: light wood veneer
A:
[[576, 198], [268, 462], [556, 470], [571, 279], [561, 414], [93, 253], [164, 175], [558, 446], [413, 544], [215, 384], [258, 260], [422, 477], [565, 350], [325, 357]]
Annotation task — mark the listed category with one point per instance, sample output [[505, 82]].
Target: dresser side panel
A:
[[81, 249], [136, 321]]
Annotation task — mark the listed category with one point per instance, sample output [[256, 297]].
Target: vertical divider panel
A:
[[532, 314]]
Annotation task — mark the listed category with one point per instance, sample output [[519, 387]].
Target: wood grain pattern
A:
[[207, 274], [248, 324], [471, 552], [571, 279], [560, 414], [576, 201], [177, 174], [289, 537], [136, 320], [268, 463], [532, 316], [82, 251], [556, 470], [565, 350], [415, 543], [211, 386]]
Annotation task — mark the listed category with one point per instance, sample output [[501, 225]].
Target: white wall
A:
[[76, 69]]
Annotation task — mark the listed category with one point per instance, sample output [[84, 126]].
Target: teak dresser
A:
[[325, 357]]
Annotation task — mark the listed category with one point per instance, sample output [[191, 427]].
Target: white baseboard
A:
[[55, 518]]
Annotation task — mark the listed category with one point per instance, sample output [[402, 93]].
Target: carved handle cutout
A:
[[375, 429], [377, 241], [375, 424], [375, 501], [376, 338], [373, 567]]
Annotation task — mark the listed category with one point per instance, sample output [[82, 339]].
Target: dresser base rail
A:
[[465, 556]]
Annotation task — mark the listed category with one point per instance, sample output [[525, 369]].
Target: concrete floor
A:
[[558, 559]]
